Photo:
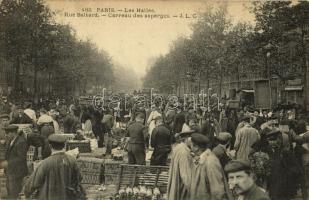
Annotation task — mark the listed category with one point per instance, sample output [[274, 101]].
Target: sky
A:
[[135, 42]]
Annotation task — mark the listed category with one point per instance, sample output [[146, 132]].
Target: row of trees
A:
[[219, 50], [38, 48]]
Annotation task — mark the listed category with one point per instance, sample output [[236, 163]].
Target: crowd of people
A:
[[228, 153]]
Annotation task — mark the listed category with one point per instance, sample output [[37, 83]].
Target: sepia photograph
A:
[[154, 100]]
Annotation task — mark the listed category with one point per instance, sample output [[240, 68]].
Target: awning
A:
[[248, 91], [293, 88]]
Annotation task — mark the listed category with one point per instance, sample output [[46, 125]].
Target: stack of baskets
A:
[[111, 171], [91, 170]]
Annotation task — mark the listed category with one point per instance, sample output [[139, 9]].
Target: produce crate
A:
[[91, 165], [111, 171], [91, 178], [83, 145], [112, 166], [135, 175]]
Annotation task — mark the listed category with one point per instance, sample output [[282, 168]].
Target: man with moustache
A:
[[241, 181]]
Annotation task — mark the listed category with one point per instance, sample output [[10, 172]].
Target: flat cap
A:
[[11, 128], [224, 136], [200, 140], [237, 165], [4, 116], [57, 138]]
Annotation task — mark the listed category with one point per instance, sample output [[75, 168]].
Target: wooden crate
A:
[[92, 165], [135, 175], [112, 166], [83, 145]]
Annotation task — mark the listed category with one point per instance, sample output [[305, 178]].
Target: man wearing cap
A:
[[137, 143], [57, 177], [224, 139], [180, 172], [284, 169], [208, 179], [15, 164], [241, 181], [161, 142], [246, 136]]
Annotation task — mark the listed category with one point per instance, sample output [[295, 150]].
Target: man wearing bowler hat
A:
[[224, 139], [241, 181], [208, 178], [15, 164], [180, 172], [57, 177]]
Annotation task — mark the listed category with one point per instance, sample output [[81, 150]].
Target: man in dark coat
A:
[[282, 181], [71, 122], [57, 177], [137, 142], [15, 164], [161, 142], [224, 139], [179, 120], [241, 181]]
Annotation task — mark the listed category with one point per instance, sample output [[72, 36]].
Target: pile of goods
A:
[[91, 169], [82, 145], [117, 153], [139, 193]]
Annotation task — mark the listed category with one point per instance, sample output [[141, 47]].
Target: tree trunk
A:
[[305, 71], [17, 76], [35, 84]]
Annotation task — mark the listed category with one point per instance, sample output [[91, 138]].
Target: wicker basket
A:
[[92, 165], [111, 171], [83, 145], [112, 166], [91, 178], [135, 175]]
